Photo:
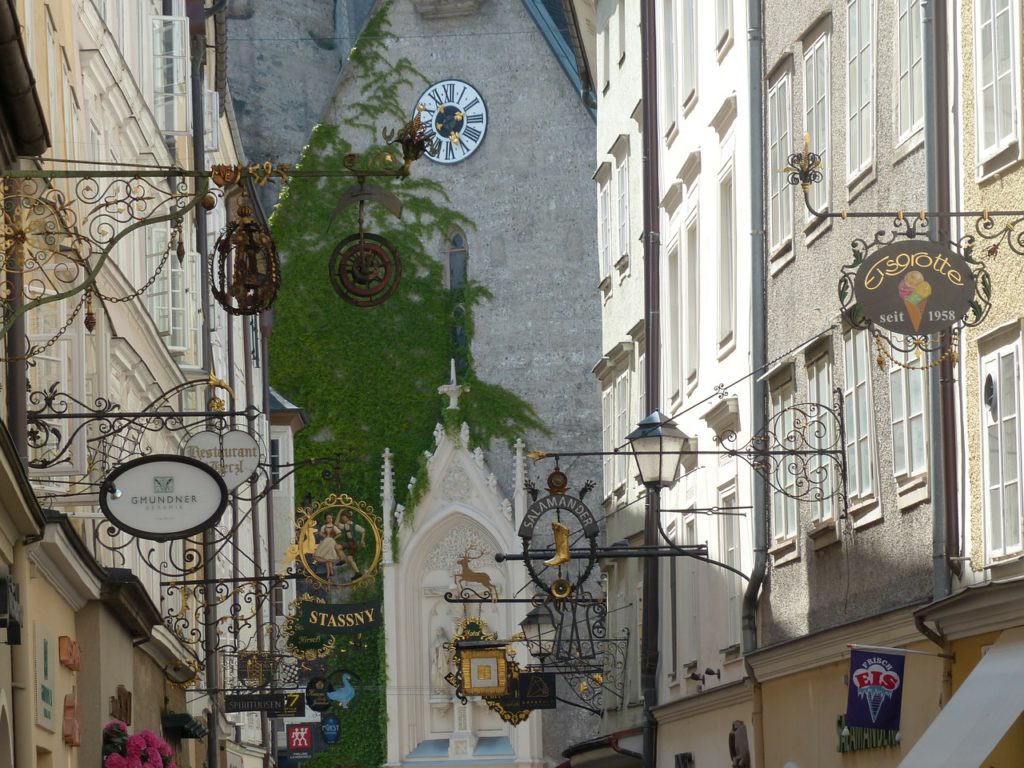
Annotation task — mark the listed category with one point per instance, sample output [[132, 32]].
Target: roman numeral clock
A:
[[456, 120]]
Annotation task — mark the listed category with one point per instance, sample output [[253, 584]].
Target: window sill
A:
[[823, 533], [860, 182], [622, 266], [1005, 566], [607, 87], [622, 58], [730, 652], [726, 345], [785, 551], [909, 144], [605, 286], [865, 512], [781, 256], [1001, 161], [912, 491], [689, 102], [815, 228], [691, 383], [724, 45], [671, 133]]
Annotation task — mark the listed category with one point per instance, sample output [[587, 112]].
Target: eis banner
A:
[[876, 690]]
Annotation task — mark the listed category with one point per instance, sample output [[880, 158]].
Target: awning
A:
[[980, 713]]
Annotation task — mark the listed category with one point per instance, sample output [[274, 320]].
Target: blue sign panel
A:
[[330, 728], [876, 690]]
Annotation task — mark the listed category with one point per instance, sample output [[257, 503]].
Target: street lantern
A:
[[539, 630], [657, 445]]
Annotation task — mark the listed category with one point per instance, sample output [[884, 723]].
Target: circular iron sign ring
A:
[[915, 287], [365, 269], [163, 497]]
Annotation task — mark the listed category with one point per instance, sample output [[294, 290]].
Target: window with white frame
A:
[[166, 297], [726, 261], [212, 119], [723, 22], [780, 196], [71, 111], [608, 439], [997, 75], [691, 305], [910, 69], [907, 409], [675, 320], [689, 51], [784, 518], [729, 545], [860, 85], [859, 414], [691, 612], [819, 390], [606, 57], [817, 85], [670, 105], [621, 24], [51, 66], [622, 198], [275, 463], [621, 426], [170, 73], [1001, 450], [641, 386], [604, 227]]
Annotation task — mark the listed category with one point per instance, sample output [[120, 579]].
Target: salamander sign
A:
[[914, 287]]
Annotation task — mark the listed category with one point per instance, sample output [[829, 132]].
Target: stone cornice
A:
[[829, 646], [988, 607], [710, 700], [61, 565]]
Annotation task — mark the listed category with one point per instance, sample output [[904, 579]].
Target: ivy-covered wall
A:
[[368, 377]]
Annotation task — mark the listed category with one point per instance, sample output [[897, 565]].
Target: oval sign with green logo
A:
[[914, 287], [163, 497]]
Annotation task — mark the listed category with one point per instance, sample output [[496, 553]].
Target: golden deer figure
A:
[[468, 575]]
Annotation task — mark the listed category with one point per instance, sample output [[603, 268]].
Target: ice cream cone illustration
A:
[[875, 697], [915, 290]]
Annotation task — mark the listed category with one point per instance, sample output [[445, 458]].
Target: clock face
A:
[[456, 119]]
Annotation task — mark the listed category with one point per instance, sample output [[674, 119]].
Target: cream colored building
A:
[[115, 84]]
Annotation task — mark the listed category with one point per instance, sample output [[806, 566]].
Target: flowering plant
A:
[[140, 750]]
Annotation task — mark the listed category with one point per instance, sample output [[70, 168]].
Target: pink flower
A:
[[135, 746], [115, 761]]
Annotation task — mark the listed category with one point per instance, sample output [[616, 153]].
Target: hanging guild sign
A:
[[875, 698], [163, 497], [331, 619], [913, 288], [234, 455]]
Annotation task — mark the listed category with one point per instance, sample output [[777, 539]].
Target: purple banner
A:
[[876, 690]]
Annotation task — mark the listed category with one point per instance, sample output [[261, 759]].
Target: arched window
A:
[[457, 257]]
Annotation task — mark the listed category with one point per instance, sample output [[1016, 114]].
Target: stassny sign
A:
[[338, 619]]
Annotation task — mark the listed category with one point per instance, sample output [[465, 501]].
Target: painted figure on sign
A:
[[347, 546], [328, 550]]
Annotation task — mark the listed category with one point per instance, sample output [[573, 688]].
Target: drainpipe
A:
[[649, 623], [942, 419], [758, 349], [15, 343], [758, 310]]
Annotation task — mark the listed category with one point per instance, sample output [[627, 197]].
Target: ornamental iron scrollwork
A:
[[246, 273], [112, 435]]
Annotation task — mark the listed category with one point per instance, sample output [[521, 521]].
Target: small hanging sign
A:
[[914, 287], [875, 697], [329, 619], [234, 455]]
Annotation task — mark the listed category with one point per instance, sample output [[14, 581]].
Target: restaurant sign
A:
[[913, 288], [234, 455], [326, 618], [163, 497]]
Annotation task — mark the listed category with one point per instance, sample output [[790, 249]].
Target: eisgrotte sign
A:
[[163, 497], [914, 287]]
